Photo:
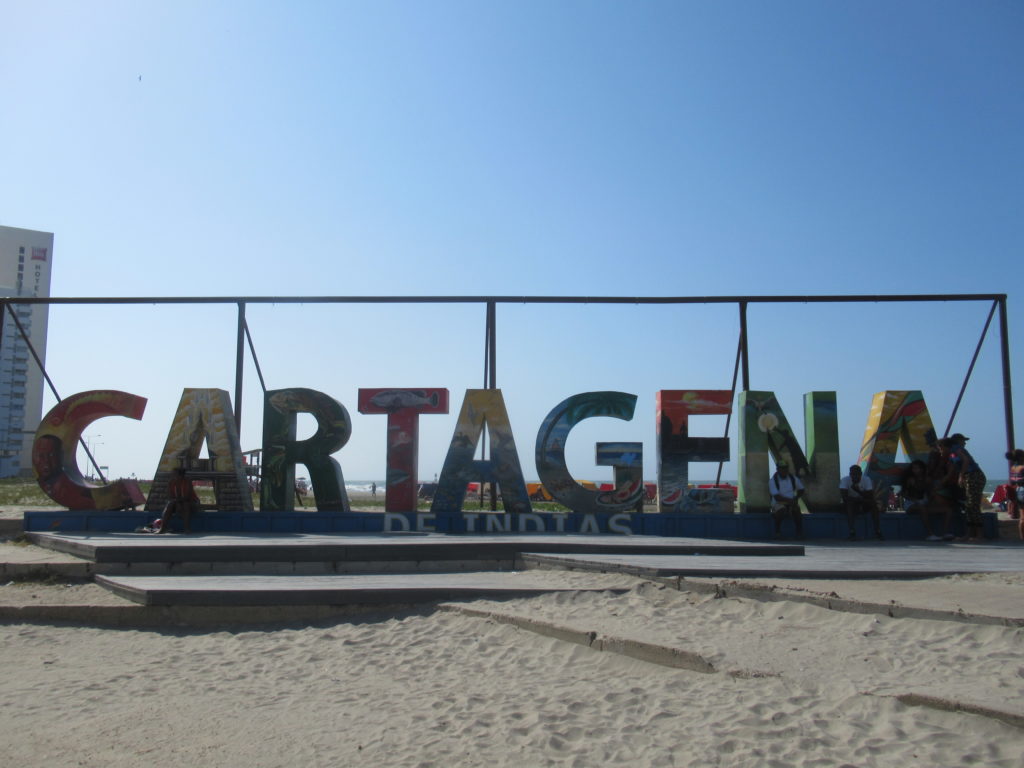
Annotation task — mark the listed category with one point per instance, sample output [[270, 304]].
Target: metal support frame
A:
[[491, 302], [970, 369], [49, 381], [743, 346], [239, 360], [732, 396], [255, 359], [492, 345], [490, 382], [1004, 345]]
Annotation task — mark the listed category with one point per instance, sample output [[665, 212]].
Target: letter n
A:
[[764, 431]]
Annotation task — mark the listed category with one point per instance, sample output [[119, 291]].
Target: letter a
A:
[[481, 406]]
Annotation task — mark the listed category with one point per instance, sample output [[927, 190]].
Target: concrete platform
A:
[[386, 589], [856, 560], [327, 548], [751, 526]]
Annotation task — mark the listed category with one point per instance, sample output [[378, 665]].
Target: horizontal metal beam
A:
[[863, 298]]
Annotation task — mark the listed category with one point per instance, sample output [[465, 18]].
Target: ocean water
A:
[[363, 486]]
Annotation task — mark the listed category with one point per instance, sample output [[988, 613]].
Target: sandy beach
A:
[[784, 682], [789, 684]]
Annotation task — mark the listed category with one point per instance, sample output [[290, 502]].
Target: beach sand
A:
[[792, 684]]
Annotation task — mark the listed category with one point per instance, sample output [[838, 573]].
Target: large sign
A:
[[204, 416]]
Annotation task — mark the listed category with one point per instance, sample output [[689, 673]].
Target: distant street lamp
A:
[[91, 445]]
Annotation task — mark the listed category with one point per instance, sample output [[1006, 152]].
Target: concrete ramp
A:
[[857, 560]]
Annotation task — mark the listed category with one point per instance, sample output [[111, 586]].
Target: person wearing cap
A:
[[786, 490], [971, 479], [858, 497]]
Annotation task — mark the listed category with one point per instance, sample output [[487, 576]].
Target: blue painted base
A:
[[751, 526]]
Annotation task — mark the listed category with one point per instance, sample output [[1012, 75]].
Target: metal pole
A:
[[970, 369], [53, 389], [743, 346], [732, 396], [255, 360], [3, 313], [492, 343], [239, 359], [1004, 340], [487, 371]]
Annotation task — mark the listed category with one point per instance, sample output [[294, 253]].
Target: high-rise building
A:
[[25, 259]]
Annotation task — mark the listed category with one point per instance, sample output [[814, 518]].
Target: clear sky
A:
[[529, 148]]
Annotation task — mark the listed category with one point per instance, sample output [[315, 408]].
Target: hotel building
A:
[[25, 259]]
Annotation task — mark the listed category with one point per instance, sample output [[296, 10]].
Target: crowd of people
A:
[[949, 484]]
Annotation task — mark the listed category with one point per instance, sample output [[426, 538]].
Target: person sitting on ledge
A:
[[858, 497], [915, 490], [181, 499], [786, 490]]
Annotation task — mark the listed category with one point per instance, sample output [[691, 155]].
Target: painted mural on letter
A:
[[281, 451], [765, 434], [676, 448], [54, 452], [481, 407], [896, 417], [550, 452], [403, 408], [204, 415]]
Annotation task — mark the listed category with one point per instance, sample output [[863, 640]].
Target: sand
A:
[[793, 685]]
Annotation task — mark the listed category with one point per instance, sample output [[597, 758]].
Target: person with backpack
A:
[[786, 490]]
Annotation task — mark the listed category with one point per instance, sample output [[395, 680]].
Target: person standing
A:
[[972, 480], [786, 490], [859, 497], [1015, 496]]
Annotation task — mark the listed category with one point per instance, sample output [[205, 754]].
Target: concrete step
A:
[[246, 549], [386, 589]]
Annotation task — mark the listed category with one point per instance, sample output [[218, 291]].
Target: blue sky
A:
[[529, 148]]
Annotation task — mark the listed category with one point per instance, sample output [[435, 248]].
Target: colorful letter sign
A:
[[765, 432], [897, 416], [481, 406], [676, 449], [203, 415], [403, 407], [281, 451], [550, 452], [56, 445]]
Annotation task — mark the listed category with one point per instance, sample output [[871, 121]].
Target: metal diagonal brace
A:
[[53, 389]]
